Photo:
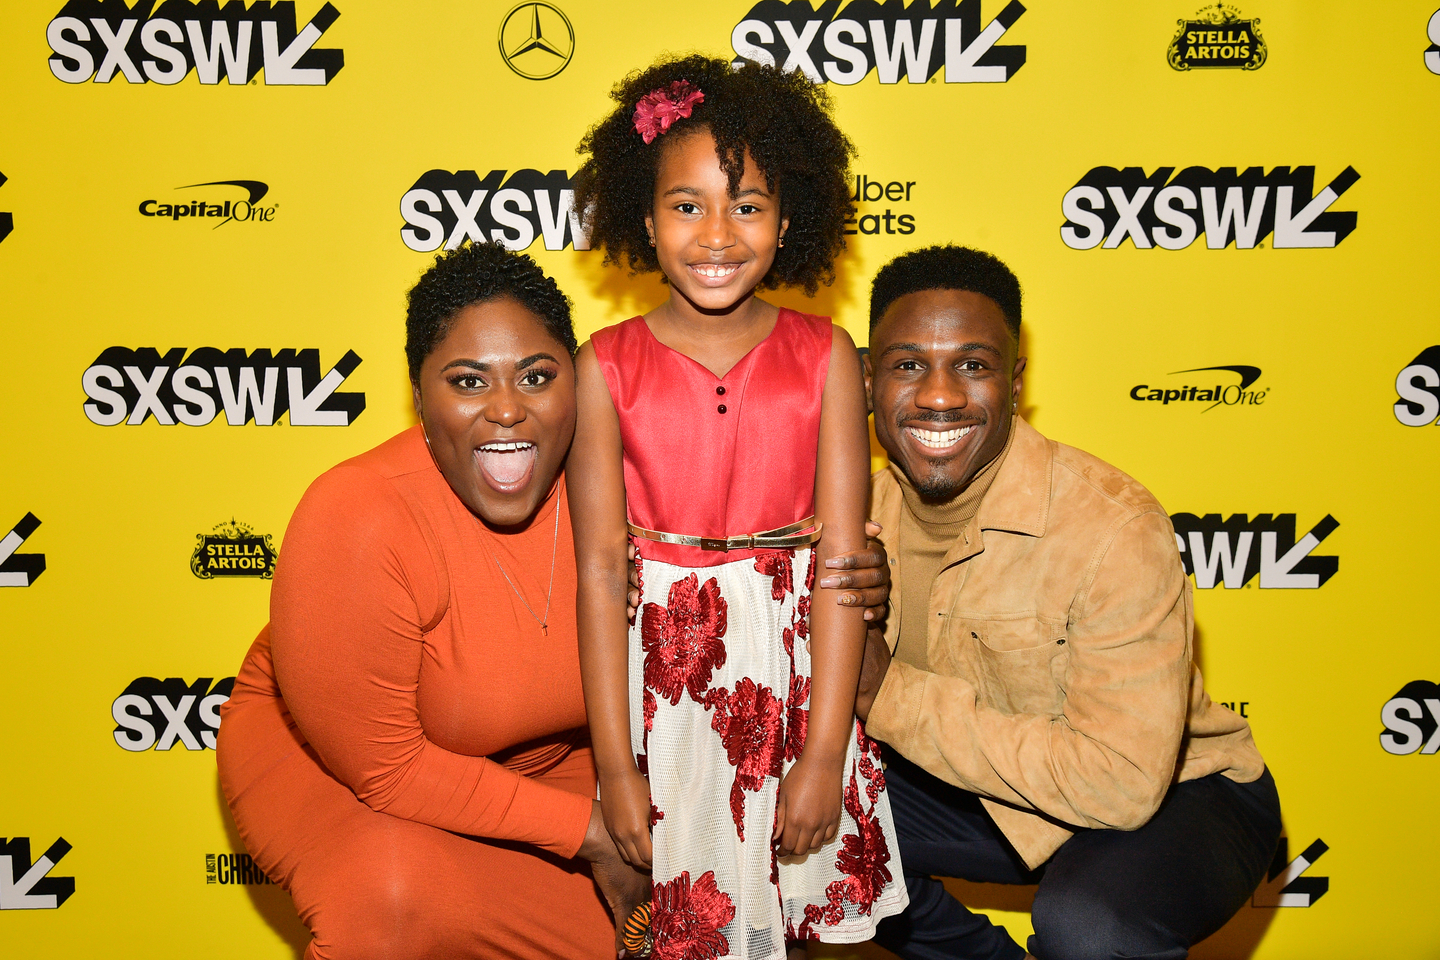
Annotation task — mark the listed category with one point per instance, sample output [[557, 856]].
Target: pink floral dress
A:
[[719, 664]]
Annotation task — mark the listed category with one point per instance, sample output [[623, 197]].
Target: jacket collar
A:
[[1018, 500]]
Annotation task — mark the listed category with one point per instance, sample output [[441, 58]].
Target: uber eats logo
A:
[[445, 209], [218, 207], [101, 39], [1412, 720], [131, 386], [1418, 385], [1232, 551], [158, 714], [1109, 205], [846, 44]]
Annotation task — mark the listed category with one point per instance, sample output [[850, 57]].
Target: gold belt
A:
[[797, 534]]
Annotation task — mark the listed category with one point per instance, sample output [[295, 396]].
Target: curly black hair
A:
[[478, 273], [781, 118], [947, 267]]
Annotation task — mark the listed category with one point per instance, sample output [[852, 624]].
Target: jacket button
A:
[[720, 391], [721, 408]]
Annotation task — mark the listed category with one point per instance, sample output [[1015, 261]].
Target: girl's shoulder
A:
[[808, 326], [618, 337]]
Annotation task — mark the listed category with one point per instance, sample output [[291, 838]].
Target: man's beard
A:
[[938, 488]]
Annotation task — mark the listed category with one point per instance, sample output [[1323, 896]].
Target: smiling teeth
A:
[[715, 271], [510, 447], [938, 439]]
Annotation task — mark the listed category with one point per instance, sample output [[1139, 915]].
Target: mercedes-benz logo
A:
[[536, 40]]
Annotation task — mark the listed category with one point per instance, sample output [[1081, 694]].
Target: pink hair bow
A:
[[658, 109]]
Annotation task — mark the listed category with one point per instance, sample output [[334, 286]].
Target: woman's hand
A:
[[866, 581], [623, 886], [625, 804], [807, 810]]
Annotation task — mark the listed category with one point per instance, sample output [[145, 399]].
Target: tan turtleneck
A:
[[927, 531]]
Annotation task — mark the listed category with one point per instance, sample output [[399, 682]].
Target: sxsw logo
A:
[[27, 886], [20, 569], [1412, 720], [1231, 552], [1285, 884], [1108, 205], [1419, 388], [157, 714], [7, 220], [892, 40], [130, 386], [98, 39], [1432, 52], [445, 209]]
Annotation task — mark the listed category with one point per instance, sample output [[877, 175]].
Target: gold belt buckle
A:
[[721, 545]]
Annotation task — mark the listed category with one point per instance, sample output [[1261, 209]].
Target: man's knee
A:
[[1081, 926]]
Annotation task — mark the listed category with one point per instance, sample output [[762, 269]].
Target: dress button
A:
[[720, 391], [721, 408]]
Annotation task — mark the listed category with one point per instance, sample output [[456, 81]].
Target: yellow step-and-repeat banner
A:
[[1225, 220]]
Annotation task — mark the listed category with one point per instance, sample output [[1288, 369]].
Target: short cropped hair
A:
[[478, 273], [784, 121], [947, 267]]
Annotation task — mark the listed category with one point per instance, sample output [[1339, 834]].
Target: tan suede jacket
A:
[[1064, 690]]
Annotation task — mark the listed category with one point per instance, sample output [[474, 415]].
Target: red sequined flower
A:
[[682, 640], [750, 724], [648, 706], [778, 565], [862, 858], [797, 717], [658, 109], [687, 920]]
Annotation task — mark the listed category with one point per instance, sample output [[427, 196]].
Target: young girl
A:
[[731, 435]]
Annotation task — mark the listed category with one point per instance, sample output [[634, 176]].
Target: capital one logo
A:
[[97, 40], [845, 45], [1233, 551], [130, 386], [156, 714], [446, 209], [1108, 206], [1418, 385]]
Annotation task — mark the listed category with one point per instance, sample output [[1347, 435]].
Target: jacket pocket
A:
[[1016, 661]]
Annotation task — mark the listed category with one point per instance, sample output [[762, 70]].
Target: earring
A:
[[652, 241], [782, 241]]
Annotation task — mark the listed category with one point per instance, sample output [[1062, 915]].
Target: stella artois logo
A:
[[1217, 38], [233, 550]]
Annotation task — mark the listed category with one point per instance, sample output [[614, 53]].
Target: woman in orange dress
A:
[[405, 748]]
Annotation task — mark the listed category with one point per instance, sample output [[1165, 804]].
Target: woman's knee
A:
[[377, 911]]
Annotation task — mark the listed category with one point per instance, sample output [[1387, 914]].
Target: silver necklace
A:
[[554, 552]]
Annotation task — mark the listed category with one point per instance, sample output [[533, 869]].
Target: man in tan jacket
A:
[[1036, 683]]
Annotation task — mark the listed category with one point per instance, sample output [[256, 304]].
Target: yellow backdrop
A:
[[209, 218]]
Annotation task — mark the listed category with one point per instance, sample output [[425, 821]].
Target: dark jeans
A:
[[1149, 893]]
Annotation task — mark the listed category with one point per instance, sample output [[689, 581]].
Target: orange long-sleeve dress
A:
[[405, 749]]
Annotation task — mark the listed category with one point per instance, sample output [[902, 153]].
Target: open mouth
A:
[[939, 441], [507, 464]]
